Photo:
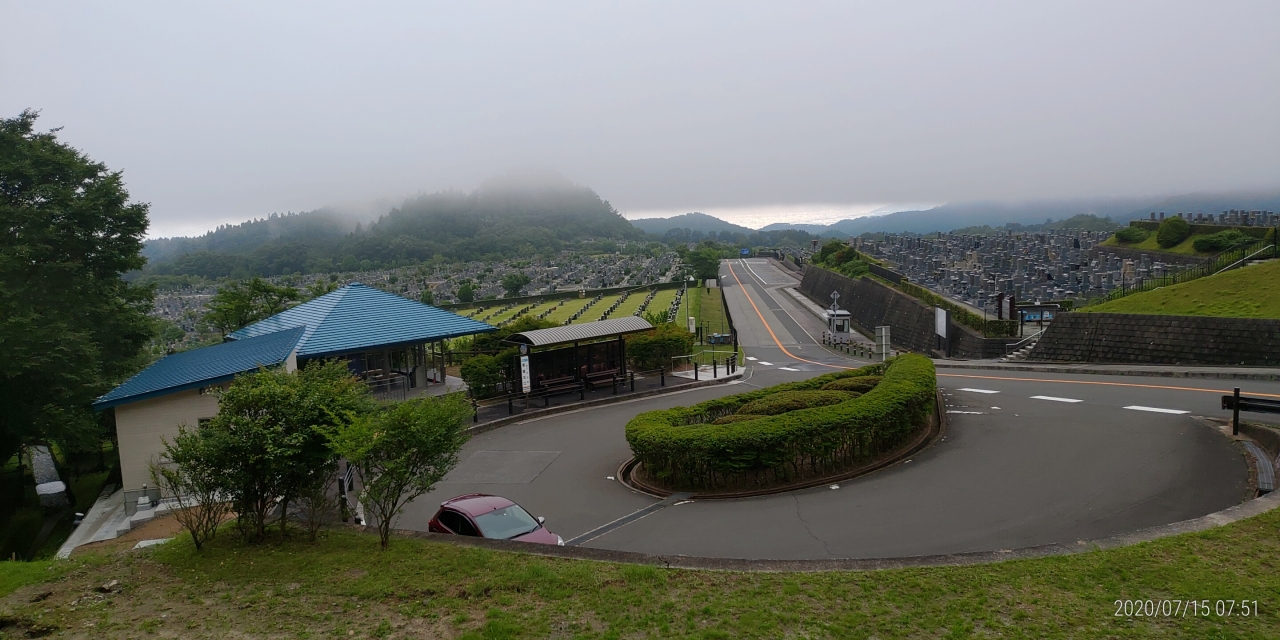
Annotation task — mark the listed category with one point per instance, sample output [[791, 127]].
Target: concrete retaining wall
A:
[[872, 305], [1191, 340]]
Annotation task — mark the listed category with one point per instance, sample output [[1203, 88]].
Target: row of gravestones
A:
[[578, 314], [517, 315], [499, 312], [614, 307], [674, 311], [645, 305]]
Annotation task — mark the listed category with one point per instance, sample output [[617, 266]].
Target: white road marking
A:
[[1156, 409], [1055, 399], [787, 369], [753, 272], [978, 390], [995, 407], [969, 413], [752, 358], [765, 364]]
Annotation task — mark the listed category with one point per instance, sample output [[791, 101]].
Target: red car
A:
[[486, 516]]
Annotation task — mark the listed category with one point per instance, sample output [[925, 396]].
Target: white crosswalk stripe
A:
[[1156, 409], [978, 390], [1055, 399], [787, 369]]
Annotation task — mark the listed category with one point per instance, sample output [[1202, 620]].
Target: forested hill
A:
[[501, 219]]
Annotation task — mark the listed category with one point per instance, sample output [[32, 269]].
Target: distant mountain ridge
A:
[[694, 221]]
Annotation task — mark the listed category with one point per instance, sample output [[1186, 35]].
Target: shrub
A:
[[653, 349], [1132, 235], [482, 374], [786, 401], [1172, 232], [861, 384], [679, 448], [734, 417], [1221, 241]]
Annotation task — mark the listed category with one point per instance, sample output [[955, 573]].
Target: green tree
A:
[[512, 283], [482, 373], [70, 327], [466, 293], [427, 297], [1172, 232], [268, 438], [401, 451], [193, 476], [705, 262], [240, 304]]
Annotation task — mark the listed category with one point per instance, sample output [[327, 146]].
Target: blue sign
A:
[[745, 252]]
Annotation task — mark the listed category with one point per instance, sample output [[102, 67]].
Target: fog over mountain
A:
[[222, 112]]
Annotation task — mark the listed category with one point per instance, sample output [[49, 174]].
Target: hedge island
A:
[[813, 428]]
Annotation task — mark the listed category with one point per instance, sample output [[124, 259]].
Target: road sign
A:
[[525, 383], [744, 252]]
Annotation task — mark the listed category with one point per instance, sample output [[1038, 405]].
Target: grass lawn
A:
[[344, 586], [1247, 292], [710, 308]]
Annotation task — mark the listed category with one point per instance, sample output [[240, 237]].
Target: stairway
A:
[[1024, 350]]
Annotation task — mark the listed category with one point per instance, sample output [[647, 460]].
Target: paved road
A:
[[1029, 459]]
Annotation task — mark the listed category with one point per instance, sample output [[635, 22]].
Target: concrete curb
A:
[[934, 431], [1265, 375], [540, 413], [1227, 516]]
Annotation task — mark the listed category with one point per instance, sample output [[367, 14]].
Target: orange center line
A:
[[770, 329], [1105, 384]]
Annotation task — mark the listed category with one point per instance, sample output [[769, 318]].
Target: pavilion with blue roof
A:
[[395, 344]]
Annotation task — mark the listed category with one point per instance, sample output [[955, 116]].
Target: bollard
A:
[[695, 371], [615, 384], [582, 390], [510, 408], [633, 380], [715, 372], [662, 376], [475, 410]]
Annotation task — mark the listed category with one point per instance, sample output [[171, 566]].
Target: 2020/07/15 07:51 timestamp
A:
[[1185, 608]]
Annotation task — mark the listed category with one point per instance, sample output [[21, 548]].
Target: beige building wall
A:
[[140, 426]]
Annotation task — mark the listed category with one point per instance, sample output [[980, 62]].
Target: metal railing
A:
[[393, 389], [1230, 259], [1014, 346]]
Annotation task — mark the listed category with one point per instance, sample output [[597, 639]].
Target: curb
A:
[[935, 430], [530, 415], [1239, 512], [1155, 373]]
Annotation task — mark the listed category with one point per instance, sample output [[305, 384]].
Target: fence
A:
[[887, 274], [1229, 259]]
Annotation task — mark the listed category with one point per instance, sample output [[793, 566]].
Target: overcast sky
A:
[[220, 111]]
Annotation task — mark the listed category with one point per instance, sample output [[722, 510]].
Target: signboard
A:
[[940, 322], [693, 324], [524, 374], [882, 343], [744, 252]]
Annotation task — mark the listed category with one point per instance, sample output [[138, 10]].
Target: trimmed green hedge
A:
[[679, 447], [861, 384], [735, 417], [792, 401]]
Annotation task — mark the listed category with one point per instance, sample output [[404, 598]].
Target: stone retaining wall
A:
[[1152, 339], [872, 305]]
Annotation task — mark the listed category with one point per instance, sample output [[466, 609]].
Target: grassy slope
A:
[[345, 585], [1186, 248], [1248, 292]]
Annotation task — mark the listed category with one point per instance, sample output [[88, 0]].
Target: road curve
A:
[[1029, 459]]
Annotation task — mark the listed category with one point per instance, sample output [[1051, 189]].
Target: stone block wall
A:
[[1151, 339], [872, 305]]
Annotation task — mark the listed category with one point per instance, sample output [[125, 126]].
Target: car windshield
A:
[[506, 523]]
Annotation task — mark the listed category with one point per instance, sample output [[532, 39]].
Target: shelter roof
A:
[[581, 332], [203, 367], [358, 317]]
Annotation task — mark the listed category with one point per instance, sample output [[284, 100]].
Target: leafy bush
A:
[[1172, 232], [1222, 240], [861, 384], [1132, 235], [655, 348], [482, 374], [786, 401], [734, 417], [679, 448]]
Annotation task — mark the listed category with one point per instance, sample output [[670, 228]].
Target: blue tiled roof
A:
[[357, 317], [202, 367]]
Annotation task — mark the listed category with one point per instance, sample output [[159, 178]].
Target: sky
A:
[[220, 112]]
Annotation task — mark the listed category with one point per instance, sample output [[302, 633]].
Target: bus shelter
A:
[[562, 358]]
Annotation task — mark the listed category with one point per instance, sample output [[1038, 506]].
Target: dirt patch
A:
[[163, 527]]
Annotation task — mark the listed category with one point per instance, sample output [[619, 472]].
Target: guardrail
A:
[[1237, 403]]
